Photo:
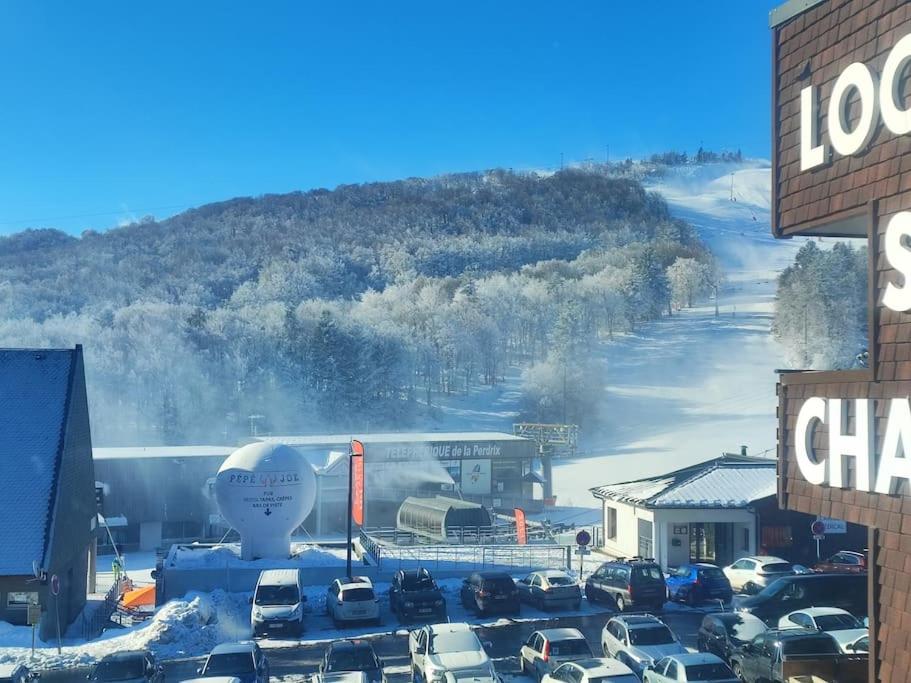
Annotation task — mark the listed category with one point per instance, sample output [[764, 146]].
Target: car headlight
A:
[[257, 614], [408, 603], [437, 676]]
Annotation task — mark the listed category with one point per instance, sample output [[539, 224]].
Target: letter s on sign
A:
[[812, 409], [898, 298]]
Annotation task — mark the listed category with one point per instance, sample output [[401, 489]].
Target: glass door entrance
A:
[[712, 542]]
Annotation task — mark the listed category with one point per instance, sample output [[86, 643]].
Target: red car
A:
[[844, 561]]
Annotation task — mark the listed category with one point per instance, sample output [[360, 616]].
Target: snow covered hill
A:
[[689, 387]]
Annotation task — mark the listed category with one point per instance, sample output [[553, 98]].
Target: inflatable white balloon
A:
[[265, 491]]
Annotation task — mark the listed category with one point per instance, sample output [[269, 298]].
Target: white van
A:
[[278, 603]]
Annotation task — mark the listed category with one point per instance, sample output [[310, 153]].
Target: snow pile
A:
[[228, 555], [181, 628]]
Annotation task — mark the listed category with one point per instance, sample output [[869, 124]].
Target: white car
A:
[[695, 666], [352, 599], [752, 574], [548, 648], [843, 626], [440, 649], [341, 677], [639, 641], [278, 603], [593, 670]]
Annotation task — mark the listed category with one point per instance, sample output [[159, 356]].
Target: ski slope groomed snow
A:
[[693, 385]]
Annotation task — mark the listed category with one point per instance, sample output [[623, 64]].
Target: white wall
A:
[[627, 541], [665, 520]]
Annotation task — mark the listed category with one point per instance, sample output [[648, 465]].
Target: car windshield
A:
[[708, 672], [823, 645], [743, 631], [120, 669], [649, 573], [229, 663], [457, 641], [566, 648], [277, 595], [560, 580], [417, 583], [837, 622], [651, 635], [357, 594], [777, 568], [354, 659]]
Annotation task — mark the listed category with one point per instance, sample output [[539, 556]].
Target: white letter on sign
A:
[[894, 463], [895, 297], [896, 119], [811, 154], [857, 445], [847, 142], [812, 409]]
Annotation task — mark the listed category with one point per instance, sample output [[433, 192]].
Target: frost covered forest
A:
[[356, 308], [821, 309]]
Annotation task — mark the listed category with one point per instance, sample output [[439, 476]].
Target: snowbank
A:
[[181, 628], [228, 555]]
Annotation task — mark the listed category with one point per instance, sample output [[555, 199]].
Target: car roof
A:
[[420, 571], [765, 559], [821, 611], [213, 679], [350, 645], [123, 654], [603, 666], [355, 582], [691, 658], [231, 648], [796, 633], [734, 617], [557, 634], [548, 573], [342, 676], [640, 620], [448, 628], [494, 575], [279, 577]]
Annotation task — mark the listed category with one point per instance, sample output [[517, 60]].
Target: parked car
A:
[[844, 561], [136, 666], [628, 584], [278, 603], [751, 574], [594, 670], [639, 641], [548, 648], [352, 655], [721, 634], [696, 583], [769, 655], [859, 646], [17, 673], [489, 592], [440, 649], [341, 677], [550, 589], [841, 625], [415, 595], [243, 660], [791, 593], [352, 599], [694, 666]]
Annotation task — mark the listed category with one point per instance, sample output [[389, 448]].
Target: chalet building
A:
[[48, 519], [841, 166]]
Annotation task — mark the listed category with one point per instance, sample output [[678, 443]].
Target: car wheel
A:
[[621, 603], [750, 588]]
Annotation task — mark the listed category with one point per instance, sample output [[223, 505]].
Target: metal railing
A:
[[464, 535], [92, 626]]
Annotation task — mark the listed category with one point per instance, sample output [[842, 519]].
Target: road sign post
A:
[[55, 591], [583, 538], [818, 528], [34, 616]]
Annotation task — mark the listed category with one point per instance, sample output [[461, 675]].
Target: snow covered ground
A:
[[689, 387]]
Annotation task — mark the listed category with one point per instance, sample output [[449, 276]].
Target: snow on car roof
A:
[[448, 628], [231, 648], [603, 666], [691, 658], [821, 611], [557, 634]]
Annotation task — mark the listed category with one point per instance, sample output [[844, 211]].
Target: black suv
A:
[[486, 592], [635, 583], [415, 595], [790, 593]]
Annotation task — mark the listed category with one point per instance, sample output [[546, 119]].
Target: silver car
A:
[[695, 666], [639, 641]]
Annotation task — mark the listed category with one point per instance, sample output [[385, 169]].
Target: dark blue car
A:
[[696, 583]]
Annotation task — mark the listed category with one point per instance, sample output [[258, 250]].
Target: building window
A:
[[21, 600], [611, 524]]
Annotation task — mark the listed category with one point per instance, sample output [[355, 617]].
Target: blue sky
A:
[[113, 110]]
